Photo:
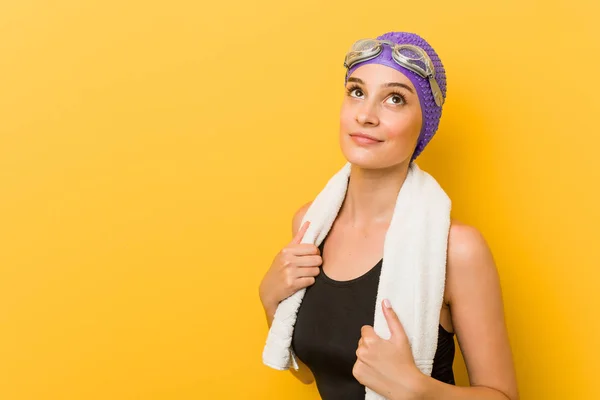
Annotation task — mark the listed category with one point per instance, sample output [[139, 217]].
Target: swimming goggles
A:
[[408, 56]]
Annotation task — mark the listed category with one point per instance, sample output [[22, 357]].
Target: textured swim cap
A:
[[430, 111]]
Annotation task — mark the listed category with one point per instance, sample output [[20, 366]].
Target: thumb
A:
[[300, 234], [394, 324]]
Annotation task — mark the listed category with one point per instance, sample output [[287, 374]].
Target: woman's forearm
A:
[[269, 314], [434, 389]]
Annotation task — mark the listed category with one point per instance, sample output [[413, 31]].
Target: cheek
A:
[[404, 127], [346, 117]]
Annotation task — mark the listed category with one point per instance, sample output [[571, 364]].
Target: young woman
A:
[[392, 109]]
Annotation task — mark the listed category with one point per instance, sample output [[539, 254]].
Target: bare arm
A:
[[303, 374], [475, 297]]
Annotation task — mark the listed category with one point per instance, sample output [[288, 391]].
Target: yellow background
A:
[[152, 155]]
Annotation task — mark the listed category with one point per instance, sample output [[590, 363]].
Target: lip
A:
[[362, 138]]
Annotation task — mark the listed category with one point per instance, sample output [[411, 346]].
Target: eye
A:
[[397, 98], [355, 91]]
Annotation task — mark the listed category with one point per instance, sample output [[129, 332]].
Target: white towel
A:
[[413, 273]]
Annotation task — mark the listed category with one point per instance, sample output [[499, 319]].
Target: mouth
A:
[[364, 139]]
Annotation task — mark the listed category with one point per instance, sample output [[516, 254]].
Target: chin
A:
[[370, 158], [365, 159], [364, 162]]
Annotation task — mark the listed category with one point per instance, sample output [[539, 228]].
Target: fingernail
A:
[[386, 303]]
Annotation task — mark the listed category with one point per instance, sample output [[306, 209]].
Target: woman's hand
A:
[[388, 366], [293, 268]]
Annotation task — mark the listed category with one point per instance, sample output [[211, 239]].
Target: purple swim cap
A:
[[430, 111]]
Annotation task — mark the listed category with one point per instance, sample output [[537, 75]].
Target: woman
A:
[[392, 109]]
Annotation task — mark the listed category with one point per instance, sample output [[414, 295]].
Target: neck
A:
[[371, 195]]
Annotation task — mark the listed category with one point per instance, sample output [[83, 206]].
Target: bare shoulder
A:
[[466, 244], [470, 258], [298, 215]]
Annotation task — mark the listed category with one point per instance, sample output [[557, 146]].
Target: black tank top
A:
[[327, 331]]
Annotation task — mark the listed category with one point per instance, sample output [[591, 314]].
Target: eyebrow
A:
[[390, 84]]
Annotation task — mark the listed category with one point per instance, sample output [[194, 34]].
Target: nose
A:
[[367, 114]]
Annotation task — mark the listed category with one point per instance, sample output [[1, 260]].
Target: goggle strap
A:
[[437, 92]]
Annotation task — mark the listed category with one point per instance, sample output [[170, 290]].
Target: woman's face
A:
[[380, 102]]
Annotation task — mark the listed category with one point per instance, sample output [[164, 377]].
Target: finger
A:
[[361, 353], [394, 324], [367, 331], [360, 371], [303, 282], [308, 261], [357, 369], [307, 271], [302, 249], [300, 234]]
